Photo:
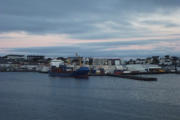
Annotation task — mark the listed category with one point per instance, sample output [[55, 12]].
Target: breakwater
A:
[[134, 77]]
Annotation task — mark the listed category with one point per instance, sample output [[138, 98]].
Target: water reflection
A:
[[38, 96]]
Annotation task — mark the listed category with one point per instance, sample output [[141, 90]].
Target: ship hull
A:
[[57, 74], [83, 74], [80, 73]]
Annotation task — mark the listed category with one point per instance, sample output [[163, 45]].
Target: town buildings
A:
[[167, 63]]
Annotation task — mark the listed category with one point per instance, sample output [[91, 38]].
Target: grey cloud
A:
[[126, 43], [74, 17], [97, 49], [167, 24], [89, 52], [37, 26], [79, 19]]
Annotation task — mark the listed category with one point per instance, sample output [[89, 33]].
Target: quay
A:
[[134, 77]]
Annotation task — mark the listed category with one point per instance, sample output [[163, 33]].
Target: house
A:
[[74, 60], [140, 61], [14, 57], [99, 61], [165, 61], [35, 58], [114, 61], [136, 68]]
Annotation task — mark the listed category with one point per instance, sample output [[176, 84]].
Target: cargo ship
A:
[[58, 68], [61, 71], [82, 72]]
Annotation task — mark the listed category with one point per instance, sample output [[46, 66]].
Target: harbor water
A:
[[37, 96]]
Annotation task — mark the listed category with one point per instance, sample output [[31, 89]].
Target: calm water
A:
[[35, 96]]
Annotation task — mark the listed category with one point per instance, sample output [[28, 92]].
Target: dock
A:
[[133, 77]]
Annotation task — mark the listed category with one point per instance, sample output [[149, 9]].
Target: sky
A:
[[94, 28]]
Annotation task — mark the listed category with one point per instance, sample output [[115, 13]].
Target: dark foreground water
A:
[[35, 96]]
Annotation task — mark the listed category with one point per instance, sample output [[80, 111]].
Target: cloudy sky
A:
[[90, 27]]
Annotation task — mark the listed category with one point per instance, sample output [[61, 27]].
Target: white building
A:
[[56, 62], [165, 61], [99, 61], [136, 67]]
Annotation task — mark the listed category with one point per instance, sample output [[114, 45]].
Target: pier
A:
[[134, 77]]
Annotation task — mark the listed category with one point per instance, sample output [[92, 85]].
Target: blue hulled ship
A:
[[82, 72], [58, 68]]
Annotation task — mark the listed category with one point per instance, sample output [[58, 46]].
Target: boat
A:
[[118, 72], [61, 71], [58, 68], [82, 72]]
